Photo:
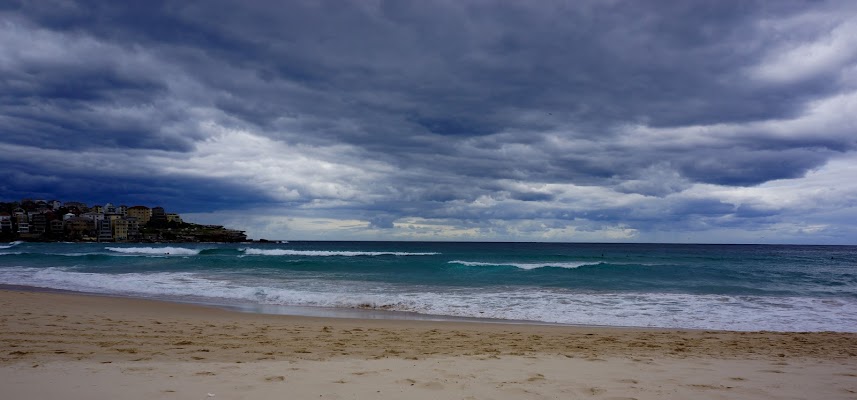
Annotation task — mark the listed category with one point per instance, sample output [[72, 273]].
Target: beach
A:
[[75, 346]]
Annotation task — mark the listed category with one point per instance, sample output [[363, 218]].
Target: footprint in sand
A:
[[407, 381], [432, 386], [536, 377], [594, 391], [708, 387]]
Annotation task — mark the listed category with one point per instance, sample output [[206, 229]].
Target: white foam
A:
[[668, 310], [324, 253], [11, 244], [527, 266], [156, 250]]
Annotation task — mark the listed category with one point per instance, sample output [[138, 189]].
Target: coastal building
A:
[[57, 227], [159, 216], [79, 227], [38, 223], [141, 213], [120, 230], [105, 231], [133, 228], [37, 220], [94, 216], [5, 222]]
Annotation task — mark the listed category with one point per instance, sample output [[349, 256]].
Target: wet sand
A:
[[70, 346]]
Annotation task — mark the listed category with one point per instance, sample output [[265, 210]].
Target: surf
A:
[[331, 253], [11, 244], [527, 266], [180, 251]]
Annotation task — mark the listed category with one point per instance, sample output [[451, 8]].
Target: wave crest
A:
[[526, 266], [11, 244], [329, 253], [180, 251]]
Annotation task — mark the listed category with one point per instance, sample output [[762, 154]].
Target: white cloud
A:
[[286, 171], [831, 49], [829, 187]]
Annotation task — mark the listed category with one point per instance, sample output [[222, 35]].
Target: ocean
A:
[[731, 287]]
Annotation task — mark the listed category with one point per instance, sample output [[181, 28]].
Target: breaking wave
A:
[[180, 251], [326, 253], [10, 245], [527, 266]]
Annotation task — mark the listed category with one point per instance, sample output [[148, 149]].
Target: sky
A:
[[472, 120]]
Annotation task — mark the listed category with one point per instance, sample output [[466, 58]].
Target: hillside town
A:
[[52, 220]]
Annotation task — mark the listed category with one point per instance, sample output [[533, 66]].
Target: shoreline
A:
[[316, 312], [131, 317], [79, 346], [360, 313]]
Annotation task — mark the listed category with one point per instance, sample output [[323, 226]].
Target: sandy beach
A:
[[71, 346]]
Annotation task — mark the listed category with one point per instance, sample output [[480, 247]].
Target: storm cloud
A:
[[477, 120]]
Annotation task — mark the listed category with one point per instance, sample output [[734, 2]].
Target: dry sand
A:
[[70, 346]]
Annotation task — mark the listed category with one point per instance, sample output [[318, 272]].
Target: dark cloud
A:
[[179, 194], [468, 69], [744, 168], [382, 222], [468, 106]]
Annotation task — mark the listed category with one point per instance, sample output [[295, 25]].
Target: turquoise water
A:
[[738, 287]]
